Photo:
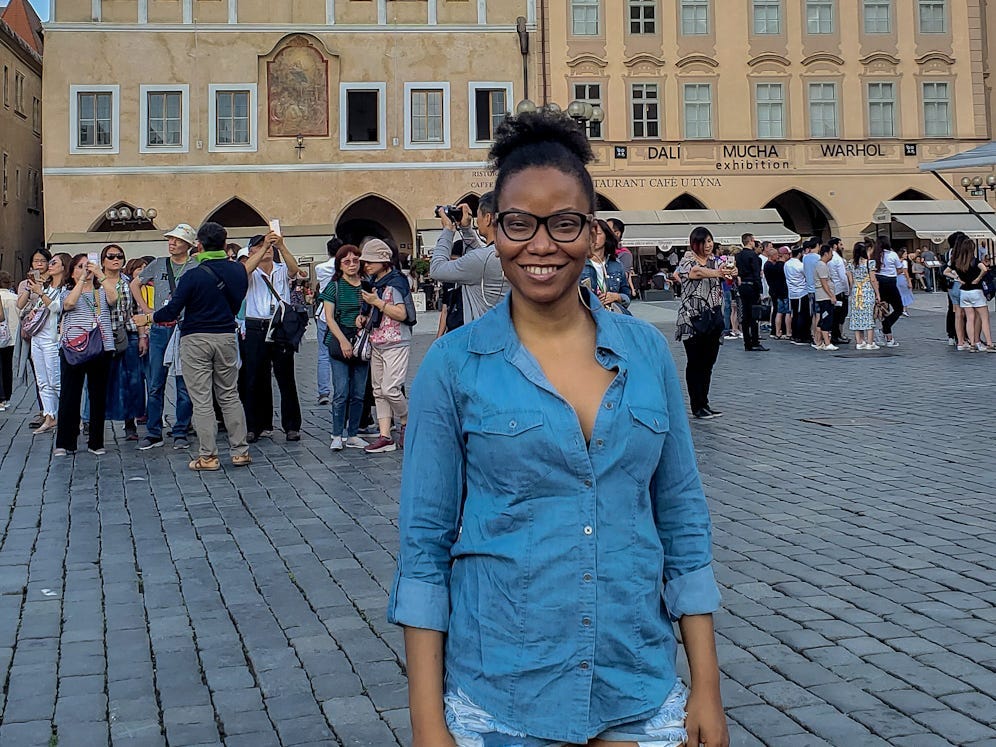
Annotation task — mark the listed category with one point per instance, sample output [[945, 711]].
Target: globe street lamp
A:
[[125, 214], [581, 112], [977, 186]]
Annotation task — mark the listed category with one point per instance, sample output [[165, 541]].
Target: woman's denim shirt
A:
[[615, 279], [541, 557]]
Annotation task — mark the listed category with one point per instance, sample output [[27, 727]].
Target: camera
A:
[[453, 212]]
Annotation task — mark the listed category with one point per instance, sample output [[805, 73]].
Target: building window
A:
[[819, 16], [933, 16], [36, 115], [231, 118], [93, 115], [881, 110], [3, 187], [698, 111], [823, 110], [936, 110], [646, 122], [489, 105], [878, 16], [19, 93], [427, 119], [694, 17], [770, 102], [643, 16], [6, 87], [363, 116], [767, 16], [584, 17], [164, 113], [590, 93]]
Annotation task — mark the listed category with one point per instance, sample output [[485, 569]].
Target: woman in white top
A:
[[43, 288], [9, 315], [888, 268]]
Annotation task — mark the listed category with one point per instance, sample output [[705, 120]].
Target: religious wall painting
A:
[[297, 87]]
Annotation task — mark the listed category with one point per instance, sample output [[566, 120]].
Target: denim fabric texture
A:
[[158, 340], [349, 384], [615, 279], [556, 568], [126, 383], [324, 367]]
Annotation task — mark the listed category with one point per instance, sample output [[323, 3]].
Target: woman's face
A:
[[709, 245], [113, 260], [56, 266], [79, 270], [350, 265], [38, 262], [541, 269], [598, 237]]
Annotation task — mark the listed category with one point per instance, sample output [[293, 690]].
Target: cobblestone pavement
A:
[[141, 604]]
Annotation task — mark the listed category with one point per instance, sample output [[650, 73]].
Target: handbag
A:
[[120, 338], [86, 344], [289, 322], [33, 319], [709, 321], [882, 310], [362, 346], [762, 311], [988, 284]]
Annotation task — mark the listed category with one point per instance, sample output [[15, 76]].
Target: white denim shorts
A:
[[471, 726], [973, 299]]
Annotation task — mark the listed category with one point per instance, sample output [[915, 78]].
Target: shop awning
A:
[[666, 228], [981, 157], [937, 219]]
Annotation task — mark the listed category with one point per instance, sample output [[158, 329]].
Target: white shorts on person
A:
[[972, 299]]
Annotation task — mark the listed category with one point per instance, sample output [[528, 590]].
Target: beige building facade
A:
[[352, 116], [820, 109], [21, 225]]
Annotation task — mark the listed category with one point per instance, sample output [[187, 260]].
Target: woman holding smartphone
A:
[[549, 489]]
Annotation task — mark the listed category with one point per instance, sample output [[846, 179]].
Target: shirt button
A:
[[587, 483], [599, 442], [608, 405], [587, 578], [584, 665], [587, 530], [586, 621], [511, 424]]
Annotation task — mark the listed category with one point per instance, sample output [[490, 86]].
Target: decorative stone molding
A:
[[769, 58], [585, 65]]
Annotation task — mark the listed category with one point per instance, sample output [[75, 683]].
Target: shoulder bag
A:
[[362, 347], [332, 342], [34, 318], [85, 345], [289, 322], [988, 284]]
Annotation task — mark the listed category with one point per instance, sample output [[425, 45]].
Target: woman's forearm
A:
[[396, 311], [699, 639], [424, 655]]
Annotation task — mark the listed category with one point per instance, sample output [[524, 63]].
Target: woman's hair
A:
[[882, 245], [135, 266], [611, 242], [43, 252], [6, 281], [697, 240], [70, 281], [542, 139], [954, 238], [106, 249], [860, 252], [964, 254], [67, 264], [341, 253]]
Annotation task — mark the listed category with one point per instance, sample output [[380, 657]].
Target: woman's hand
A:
[[94, 271], [347, 349], [436, 738], [609, 298], [361, 321], [143, 345], [372, 299], [705, 720], [445, 219], [36, 286]]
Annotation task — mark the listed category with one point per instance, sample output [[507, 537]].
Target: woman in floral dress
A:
[[864, 294]]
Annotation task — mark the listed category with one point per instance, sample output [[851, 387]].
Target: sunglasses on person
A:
[[114, 256]]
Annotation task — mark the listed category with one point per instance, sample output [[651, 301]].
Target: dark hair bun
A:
[[541, 127]]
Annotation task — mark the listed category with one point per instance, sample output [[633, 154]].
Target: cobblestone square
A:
[[142, 604]]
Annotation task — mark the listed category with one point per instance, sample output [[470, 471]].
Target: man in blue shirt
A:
[[809, 261], [209, 297]]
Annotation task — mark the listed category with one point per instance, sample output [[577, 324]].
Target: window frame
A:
[[694, 5], [143, 119], [109, 150], [828, 5], [483, 85], [586, 99], [891, 101], [866, 5], [36, 120], [685, 104], [933, 4], [344, 90], [643, 6], [428, 86], [949, 125], [19, 93], [810, 102], [775, 5], [780, 103], [643, 102], [572, 9], [6, 87], [253, 111]]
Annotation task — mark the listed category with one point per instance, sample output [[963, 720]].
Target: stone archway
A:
[[236, 213], [375, 216], [134, 223], [804, 214], [912, 194], [686, 201], [604, 204]]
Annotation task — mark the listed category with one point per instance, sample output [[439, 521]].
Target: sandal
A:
[[205, 464]]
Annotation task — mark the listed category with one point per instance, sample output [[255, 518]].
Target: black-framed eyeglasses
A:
[[566, 226], [114, 256]]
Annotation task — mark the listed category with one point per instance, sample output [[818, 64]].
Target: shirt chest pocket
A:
[[510, 452], [648, 428]]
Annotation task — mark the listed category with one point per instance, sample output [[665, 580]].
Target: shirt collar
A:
[[494, 331]]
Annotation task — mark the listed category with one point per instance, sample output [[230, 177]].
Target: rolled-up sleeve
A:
[[432, 489], [681, 513]]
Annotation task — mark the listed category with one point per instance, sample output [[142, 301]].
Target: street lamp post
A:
[[125, 214], [581, 112], [977, 187]]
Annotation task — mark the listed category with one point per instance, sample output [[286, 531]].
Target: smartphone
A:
[[731, 262], [367, 286], [35, 275], [93, 257], [275, 227]]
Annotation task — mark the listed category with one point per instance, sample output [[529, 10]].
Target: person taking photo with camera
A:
[[478, 272]]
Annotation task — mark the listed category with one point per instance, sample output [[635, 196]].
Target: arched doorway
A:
[[473, 202], [912, 194], [685, 202], [375, 216], [803, 214], [132, 222], [236, 213], [603, 204]]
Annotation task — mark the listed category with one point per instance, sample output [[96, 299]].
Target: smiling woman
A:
[[549, 488]]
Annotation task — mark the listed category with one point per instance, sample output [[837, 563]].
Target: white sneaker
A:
[[830, 347], [336, 443], [814, 346], [355, 442], [952, 341], [963, 348], [980, 347], [891, 344], [872, 346], [860, 346], [730, 336]]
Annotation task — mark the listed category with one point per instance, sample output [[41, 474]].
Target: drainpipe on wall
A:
[[544, 52], [520, 29]]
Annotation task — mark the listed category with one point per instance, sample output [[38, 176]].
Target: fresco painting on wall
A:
[[297, 82]]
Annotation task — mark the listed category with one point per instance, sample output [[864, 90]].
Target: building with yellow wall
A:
[[821, 109], [354, 116], [21, 228]]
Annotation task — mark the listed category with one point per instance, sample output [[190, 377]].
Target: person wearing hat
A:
[[262, 360], [163, 274], [391, 312]]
